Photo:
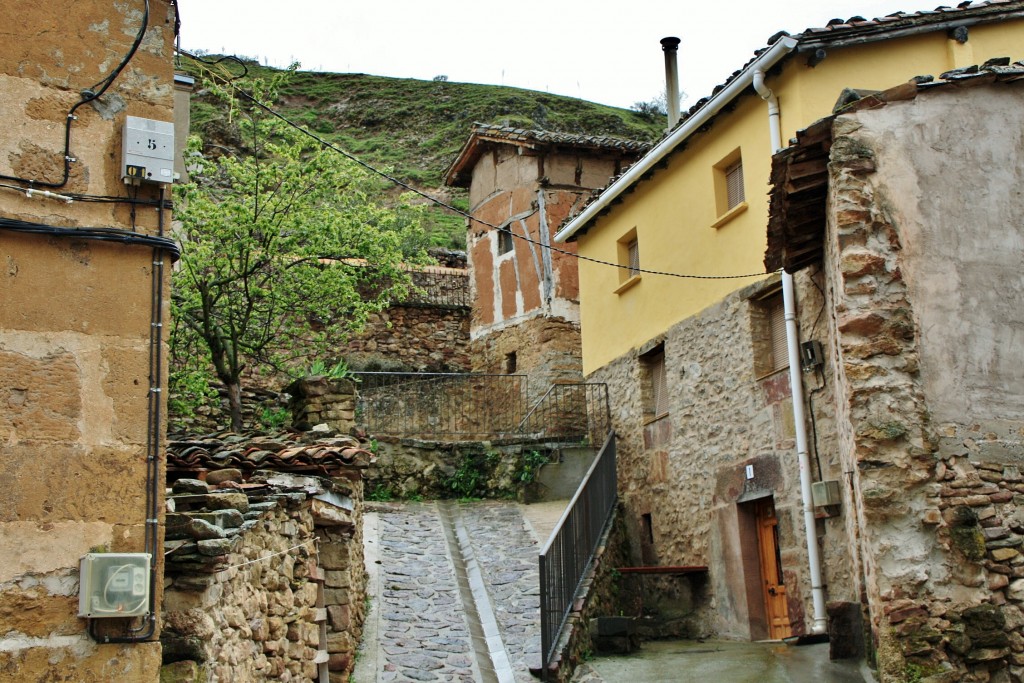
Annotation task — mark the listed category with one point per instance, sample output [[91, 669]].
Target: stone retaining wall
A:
[[243, 572], [407, 467]]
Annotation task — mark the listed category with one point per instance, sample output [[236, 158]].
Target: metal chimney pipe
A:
[[670, 46]]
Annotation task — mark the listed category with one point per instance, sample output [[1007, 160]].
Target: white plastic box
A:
[[114, 585]]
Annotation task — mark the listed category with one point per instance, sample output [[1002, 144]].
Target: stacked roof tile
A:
[[282, 452]]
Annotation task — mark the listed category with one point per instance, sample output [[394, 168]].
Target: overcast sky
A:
[[592, 49]]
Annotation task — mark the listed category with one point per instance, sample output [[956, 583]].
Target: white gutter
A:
[[820, 624], [769, 58]]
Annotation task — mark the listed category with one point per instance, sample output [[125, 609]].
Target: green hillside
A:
[[417, 127]]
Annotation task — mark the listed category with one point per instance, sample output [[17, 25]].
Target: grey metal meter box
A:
[[147, 151], [826, 493], [114, 585]]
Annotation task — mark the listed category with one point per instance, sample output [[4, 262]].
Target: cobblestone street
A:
[[454, 598]]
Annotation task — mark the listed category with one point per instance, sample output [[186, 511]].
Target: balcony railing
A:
[[451, 406], [440, 405], [570, 412]]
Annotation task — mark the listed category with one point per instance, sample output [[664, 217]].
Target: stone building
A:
[[906, 208], [525, 294], [83, 301], [732, 455]]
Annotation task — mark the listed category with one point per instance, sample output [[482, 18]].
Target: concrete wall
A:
[[74, 332], [686, 470], [923, 256]]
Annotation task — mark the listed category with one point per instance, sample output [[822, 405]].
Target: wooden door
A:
[[771, 570]]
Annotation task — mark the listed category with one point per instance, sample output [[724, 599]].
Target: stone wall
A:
[[75, 324], [321, 400], [412, 339], [434, 469], [683, 477], [264, 582], [545, 349], [929, 416]]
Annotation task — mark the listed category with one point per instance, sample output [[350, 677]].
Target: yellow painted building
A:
[[717, 464], [674, 204]]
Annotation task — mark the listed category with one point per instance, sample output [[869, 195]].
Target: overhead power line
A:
[[400, 183]]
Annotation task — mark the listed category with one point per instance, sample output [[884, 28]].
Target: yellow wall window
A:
[[730, 193], [628, 258]]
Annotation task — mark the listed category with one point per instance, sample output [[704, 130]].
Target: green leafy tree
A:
[[283, 254]]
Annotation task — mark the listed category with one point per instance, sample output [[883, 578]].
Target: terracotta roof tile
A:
[[284, 452], [484, 134]]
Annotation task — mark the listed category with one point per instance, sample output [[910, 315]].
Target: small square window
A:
[[504, 240]]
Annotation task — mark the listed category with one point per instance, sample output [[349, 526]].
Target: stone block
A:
[[339, 617], [216, 477], [228, 500]]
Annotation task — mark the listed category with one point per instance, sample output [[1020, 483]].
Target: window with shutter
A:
[[777, 326], [768, 329], [655, 384], [634, 258], [734, 185], [659, 388]]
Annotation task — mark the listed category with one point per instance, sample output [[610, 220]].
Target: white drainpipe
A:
[[820, 624]]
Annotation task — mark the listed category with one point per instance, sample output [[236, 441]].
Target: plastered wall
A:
[[74, 331]]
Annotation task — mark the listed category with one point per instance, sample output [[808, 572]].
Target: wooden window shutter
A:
[[734, 184], [777, 323], [634, 258], [659, 385]]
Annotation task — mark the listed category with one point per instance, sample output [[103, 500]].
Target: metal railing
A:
[[569, 552], [440, 288], [429, 405], [570, 412]]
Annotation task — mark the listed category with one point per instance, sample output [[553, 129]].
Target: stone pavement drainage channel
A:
[[421, 628], [491, 655]]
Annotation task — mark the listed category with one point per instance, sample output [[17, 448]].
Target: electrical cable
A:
[[98, 234], [88, 198], [329, 145], [88, 95], [160, 245]]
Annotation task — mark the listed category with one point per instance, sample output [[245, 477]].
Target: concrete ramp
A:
[[559, 479]]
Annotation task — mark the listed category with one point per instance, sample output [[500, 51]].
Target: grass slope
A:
[[416, 128]]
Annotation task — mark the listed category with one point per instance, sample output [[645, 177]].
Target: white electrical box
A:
[[114, 585], [825, 493], [147, 151]]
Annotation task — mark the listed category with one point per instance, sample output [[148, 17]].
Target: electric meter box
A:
[[114, 585], [826, 493], [147, 151]]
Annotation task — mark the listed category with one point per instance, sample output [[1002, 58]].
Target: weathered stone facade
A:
[[320, 400], [921, 249], [683, 476], [434, 469], [925, 318], [75, 323], [263, 582]]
